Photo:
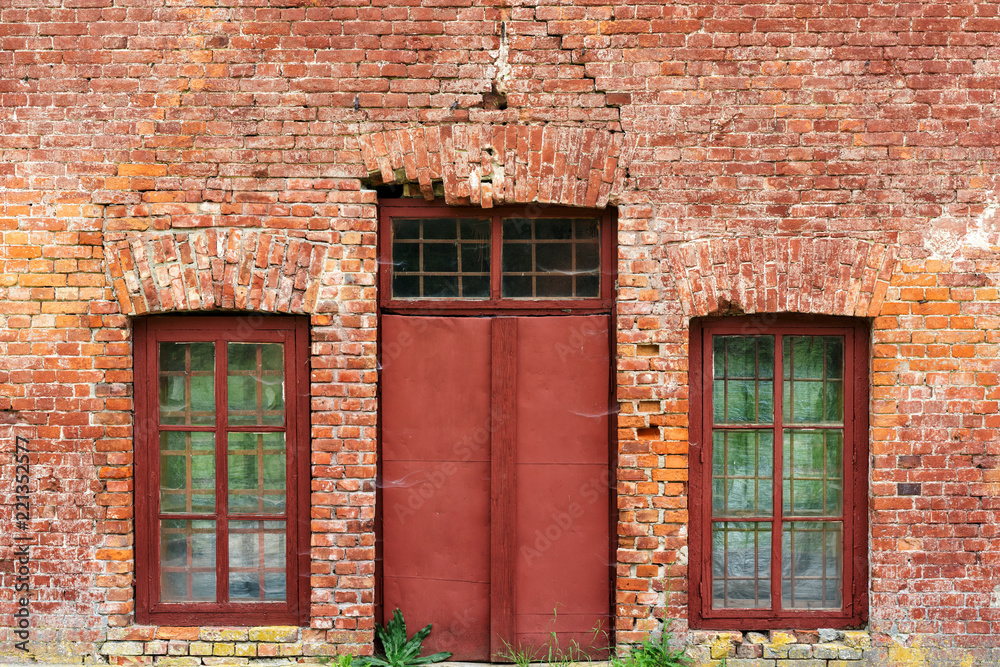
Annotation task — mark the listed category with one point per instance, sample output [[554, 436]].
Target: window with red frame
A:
[[507, 259], [779, 473], [222, 470]]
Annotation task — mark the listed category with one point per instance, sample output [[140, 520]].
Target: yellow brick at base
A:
[[274, 634]]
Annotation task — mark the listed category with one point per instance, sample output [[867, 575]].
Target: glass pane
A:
[[477, 287], [187, 472], [743, 372], [741, 565], [813, 475], [553, 286], [742, 473], [405, 287], [256, 384], [405, 258], [518, 286], [813, 388], [517, 257], [187, 383], [812, 565], [256, 473], [551, 258], [554, 257], [441, 287], [256, 560], [440, 258], [187, 560]]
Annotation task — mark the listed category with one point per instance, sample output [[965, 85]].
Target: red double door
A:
[[495, 497]]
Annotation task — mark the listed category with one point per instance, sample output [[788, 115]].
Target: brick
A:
[[273, 634]]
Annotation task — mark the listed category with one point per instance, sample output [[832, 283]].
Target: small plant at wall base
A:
[[397, 650], [654, 654]]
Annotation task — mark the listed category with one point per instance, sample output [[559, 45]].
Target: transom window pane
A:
[[441, 258], [551, 258]]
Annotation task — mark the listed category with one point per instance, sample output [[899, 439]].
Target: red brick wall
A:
[[763, 157]]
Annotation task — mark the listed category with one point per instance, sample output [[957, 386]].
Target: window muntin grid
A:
[[191, 512], [812, 567], [812, 464], [441, 258], [500, 258], [551, 258]]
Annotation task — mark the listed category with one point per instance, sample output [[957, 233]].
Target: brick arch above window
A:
[[781, 274], [216, 269], [491, 164]]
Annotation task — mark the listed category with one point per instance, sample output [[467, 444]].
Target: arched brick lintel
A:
[[781, 274], [216, 269], [486, 165]]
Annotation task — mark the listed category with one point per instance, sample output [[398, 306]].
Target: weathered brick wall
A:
[[763, 156]]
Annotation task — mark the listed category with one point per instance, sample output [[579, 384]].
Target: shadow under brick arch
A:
[[209, 269], [492, 164], [781, 274]]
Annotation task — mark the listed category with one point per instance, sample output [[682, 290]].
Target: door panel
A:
[[435, 479], [562, 544], [438, 392]]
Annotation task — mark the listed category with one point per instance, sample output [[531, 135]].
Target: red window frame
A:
[[855, 496], [293, 332], [495, 303]]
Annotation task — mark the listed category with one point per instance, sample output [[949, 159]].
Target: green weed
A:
[[653, 654], [397, 649]]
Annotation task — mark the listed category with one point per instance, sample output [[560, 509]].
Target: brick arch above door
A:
[[491, 164], [781, 274], [217, 269]]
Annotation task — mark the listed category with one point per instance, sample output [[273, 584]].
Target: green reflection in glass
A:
[[256, 464], [742, 473], [743, 388], [187, 471], [187, 383], [256, 384], [812, 476], [813, 388]]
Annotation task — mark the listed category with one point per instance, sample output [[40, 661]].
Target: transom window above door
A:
[[504, 258]]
